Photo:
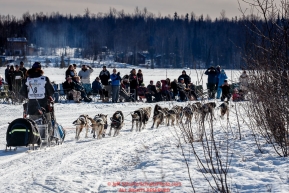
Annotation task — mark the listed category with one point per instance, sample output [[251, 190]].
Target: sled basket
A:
[[22, 132]]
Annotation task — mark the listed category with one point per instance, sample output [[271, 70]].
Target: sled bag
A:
[[61, 131], [22, 132]]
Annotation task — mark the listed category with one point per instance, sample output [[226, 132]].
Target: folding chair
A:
[[61, 93]]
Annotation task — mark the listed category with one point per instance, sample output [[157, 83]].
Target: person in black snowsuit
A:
[[225, 91], [152, 91], [104, 76], [39, 90], [10, 77], [212, 81], [133, 80], [187, 79]]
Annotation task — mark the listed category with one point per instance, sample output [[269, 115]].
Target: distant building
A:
[[136, 59], [31, 50], [16, 46]]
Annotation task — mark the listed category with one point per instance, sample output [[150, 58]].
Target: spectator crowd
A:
[[111, 87]]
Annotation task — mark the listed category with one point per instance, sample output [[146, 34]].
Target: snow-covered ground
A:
[[152, 155]]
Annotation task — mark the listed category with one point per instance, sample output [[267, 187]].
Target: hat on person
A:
[[151, 81], [184, 71], [97, 78], [16, 66], [104, 66], [21, 63], [222, 70], [36, 65], [142, 84], [181, 78], [225, 80], [68, 77]]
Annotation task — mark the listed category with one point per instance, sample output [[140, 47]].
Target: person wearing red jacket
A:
[[166, 89]]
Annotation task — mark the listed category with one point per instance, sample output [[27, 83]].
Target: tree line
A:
[[178, 40]]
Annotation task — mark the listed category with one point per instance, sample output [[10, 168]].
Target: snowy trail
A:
[[152, 155]]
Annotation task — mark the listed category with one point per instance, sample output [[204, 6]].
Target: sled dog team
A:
[[141, 116]]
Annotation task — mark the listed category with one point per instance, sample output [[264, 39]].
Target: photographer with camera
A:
[[212, 81], [115, 85]]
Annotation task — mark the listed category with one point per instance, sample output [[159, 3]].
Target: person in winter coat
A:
[[18, 76], [151, 91], [97, 87], [133, 80], [125, 81], [115, 85], [139, 77], [166, 88], [142, 91], [182, 90], [69, 89], [23, 70], [174, 88], [212, 80], [222, 76], [187, 79], [39, 91], [84, 74], [79, 87], [10, 77], [158, 95], [225, 91], [6, 73], [104, 76], [244, 82], [192, 88], [71, 72]]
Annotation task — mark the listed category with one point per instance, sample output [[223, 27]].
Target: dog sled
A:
[[27, 132]]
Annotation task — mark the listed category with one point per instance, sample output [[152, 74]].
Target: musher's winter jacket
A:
[[37, 88]]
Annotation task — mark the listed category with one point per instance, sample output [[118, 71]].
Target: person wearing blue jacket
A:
[[115, 85], [212, 80], [222, 77], [97, 87]]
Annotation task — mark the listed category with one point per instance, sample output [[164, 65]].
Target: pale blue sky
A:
[[165, 7]]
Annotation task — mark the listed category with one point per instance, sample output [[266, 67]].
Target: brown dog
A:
[[80, 123]]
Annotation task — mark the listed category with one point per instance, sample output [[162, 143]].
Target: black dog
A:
[[116, 122]]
